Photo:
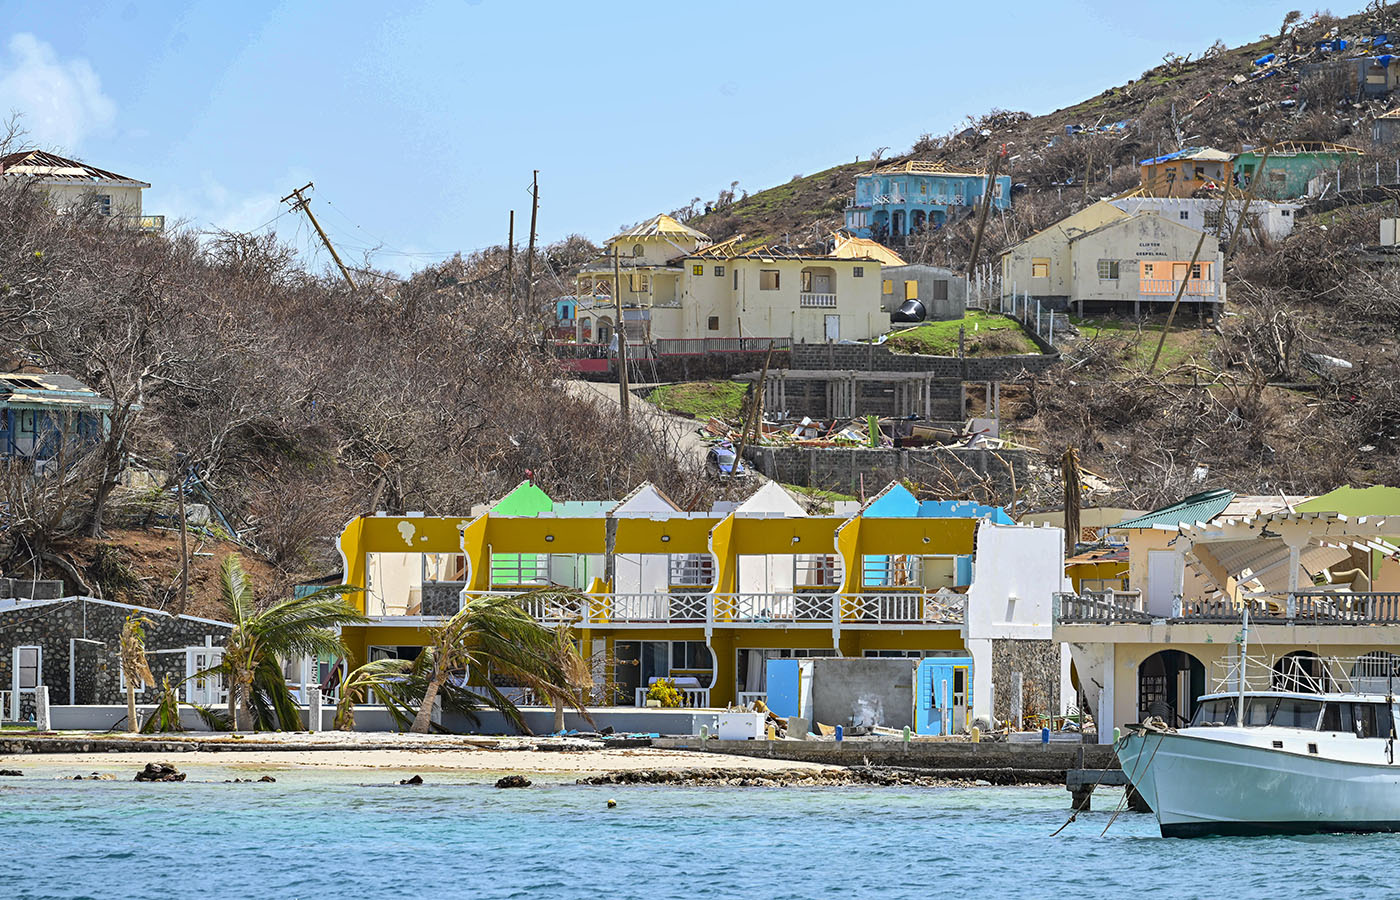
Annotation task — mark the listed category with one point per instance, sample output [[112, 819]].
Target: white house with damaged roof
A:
[[677, 285], [1103, 258], [71, 184]]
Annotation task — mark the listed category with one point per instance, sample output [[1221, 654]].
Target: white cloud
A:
[[62, 100]]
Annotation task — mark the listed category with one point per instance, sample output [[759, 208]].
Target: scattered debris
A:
[[513, 781]]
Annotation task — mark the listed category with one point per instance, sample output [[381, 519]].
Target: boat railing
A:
[[1377, 672]]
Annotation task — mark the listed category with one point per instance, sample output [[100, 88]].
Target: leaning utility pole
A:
[[510, 264], [623, 393], [304, 204], [986, 208], [530, 253]]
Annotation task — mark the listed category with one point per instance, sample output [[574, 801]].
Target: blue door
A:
[[944, 694]]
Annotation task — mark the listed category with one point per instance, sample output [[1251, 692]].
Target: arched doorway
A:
[[916, 221], [604, 330], [1302, 671], [1170, 683], [1375, 673]]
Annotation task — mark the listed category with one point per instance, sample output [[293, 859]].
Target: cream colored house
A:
[[71, 184], [1108, 258], [677, 285]]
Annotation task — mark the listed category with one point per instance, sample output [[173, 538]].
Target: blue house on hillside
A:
[[898, 200], [42, 414]]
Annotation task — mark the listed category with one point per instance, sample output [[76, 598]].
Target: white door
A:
[[833, 328], [1164, 570], [208, 689], [821, 283]]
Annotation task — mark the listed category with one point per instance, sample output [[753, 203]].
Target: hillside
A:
[[1193, 99], [1240, 404]]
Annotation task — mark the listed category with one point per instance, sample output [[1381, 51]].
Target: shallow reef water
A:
[[325, 835]]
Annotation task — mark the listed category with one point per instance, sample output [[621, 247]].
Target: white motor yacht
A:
[[1317, 755]]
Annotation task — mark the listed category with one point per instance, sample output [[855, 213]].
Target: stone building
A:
[[72, 645]]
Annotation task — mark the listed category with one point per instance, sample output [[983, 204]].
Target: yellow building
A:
[[708, 597], [678, 286], [1184, 172]]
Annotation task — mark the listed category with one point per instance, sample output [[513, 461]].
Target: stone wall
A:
[[29, 589], [1039, 665], [53, 626], [442, 598], [848, 470], [699, 367], [878, 358]]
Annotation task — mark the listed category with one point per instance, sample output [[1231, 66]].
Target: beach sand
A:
[[453, 759]]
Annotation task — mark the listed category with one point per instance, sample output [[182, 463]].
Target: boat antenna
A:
[[1244, 654], [1390, 705]]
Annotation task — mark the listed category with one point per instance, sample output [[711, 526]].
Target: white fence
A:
[[692, 698]]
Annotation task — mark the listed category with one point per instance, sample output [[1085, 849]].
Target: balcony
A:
[[816, 301], [1166, 288], [1297, 608], [696, 607]]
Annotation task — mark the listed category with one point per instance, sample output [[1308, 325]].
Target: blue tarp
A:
[[1264, 60], [1384, 59]]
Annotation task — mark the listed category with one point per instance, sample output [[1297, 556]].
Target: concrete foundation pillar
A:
[[313, 708], [982, 689], [43, 718], [1103, 716]]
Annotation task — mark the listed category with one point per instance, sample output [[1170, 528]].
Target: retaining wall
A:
[[846, 469], [879, 358]]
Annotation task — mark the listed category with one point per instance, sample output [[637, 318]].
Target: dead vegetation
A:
[[282, 398]]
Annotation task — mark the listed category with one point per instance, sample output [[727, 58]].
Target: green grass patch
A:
[[825, 500], [701, 399], [986, 334], [1185, 343]]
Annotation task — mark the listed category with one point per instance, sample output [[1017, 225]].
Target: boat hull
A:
[[1198, 786]]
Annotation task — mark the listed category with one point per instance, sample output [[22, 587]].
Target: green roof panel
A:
[[1196, 508]]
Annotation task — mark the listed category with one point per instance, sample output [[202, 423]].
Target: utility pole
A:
[[304, 204], [623, 393], [986, 208], [755, 417], [510, 263], [530, 253]]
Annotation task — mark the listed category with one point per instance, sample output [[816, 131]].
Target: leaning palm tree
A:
[[135, 667], [382, 676], [576, 676], [262, 640], [489, 634]]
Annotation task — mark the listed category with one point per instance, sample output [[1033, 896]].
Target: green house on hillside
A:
[[1291, 166]]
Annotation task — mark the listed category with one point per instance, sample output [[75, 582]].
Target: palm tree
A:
[[577, 676], [135, 667], [262, 640], [489, 634], [382, 676]]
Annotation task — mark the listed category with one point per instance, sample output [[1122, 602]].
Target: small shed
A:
[[941, 292]]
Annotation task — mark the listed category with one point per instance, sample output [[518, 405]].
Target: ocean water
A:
[[359, 835]]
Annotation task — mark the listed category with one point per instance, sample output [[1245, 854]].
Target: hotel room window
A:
[[719, 271], [698, 269], [858, 272], [768, 279], [1108, 270]]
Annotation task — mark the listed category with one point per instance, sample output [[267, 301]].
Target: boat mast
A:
[[1244, 654]]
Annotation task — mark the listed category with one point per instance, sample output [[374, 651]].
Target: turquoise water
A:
[[314, 835]]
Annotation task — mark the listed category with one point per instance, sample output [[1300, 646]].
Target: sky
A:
[[420, 123]]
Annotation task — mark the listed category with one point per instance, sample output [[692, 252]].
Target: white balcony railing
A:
[[903, 608], [816, 301], [1166, 288], [748, 698], [794, 607], [692, 698]]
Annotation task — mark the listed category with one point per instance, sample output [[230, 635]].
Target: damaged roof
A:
[[31, 390], [662, 226], [55, 169], [1200, 507], [1204, 154], [923, 167]]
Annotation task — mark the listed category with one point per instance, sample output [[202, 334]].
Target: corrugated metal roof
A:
[[52, 167], [1197, 508], [848, 247], [1206, 154]]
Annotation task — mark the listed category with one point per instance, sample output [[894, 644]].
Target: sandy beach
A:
[[368, 753]]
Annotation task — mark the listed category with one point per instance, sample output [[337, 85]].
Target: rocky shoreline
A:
[[882, 776]]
